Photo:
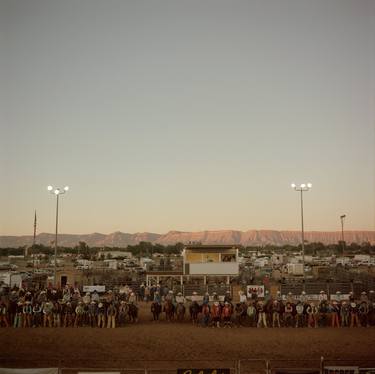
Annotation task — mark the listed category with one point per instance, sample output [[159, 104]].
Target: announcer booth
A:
[[210, 262]]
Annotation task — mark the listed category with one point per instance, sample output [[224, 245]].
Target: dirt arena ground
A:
[[173, 341]]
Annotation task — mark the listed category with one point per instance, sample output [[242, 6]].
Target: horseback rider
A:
[[227, 313], [227, 297], [132, 298], [157, 297], [206, 298], [180, 299], [215, 314], [206, 314]]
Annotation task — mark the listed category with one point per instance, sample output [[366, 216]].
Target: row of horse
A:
[[196, 311]]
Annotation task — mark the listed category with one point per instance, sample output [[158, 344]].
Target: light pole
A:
[[302, 188], [342, 218], [57, 192]]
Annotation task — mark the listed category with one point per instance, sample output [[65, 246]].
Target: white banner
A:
[[94, 288], [29, 371], [312, 297], [255, 289], [340, 297]]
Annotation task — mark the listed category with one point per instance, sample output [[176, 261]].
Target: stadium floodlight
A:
[[57, 192], [302, 188]]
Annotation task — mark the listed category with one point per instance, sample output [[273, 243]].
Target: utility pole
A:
[[342, 218]]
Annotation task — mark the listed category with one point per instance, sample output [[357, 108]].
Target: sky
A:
[[186, 115]]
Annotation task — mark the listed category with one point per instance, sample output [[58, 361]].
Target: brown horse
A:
[[155, 310], [194, 310], [240, 313], [168, 308], [180, 311]]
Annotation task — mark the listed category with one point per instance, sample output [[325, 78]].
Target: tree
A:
[[84, 250]]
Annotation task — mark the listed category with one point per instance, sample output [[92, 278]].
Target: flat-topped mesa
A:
[[245, 238]]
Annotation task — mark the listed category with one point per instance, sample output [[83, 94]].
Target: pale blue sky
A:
[[187, 115]]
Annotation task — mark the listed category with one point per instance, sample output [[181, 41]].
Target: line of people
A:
[[271, 312], [66, 308]]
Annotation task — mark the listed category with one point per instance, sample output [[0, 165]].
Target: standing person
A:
[[47, 313], [111, 316], [92, 314], [353, 310], [18, 316], [344, 314], [101, 315], [335, 312], [251, 313], [3, 314], [79, 315], [56, 313], [27, 314], [261, 315], [276, 313], [37, 315], [288, 314], [299, 314], [147, 294], [68, 313], [142, 292], [122, 312], [312, 315], [363, 311], [323, 313]]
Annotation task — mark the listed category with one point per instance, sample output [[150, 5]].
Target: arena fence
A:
[[242, 366]]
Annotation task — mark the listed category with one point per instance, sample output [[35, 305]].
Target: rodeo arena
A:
[[207, 310]]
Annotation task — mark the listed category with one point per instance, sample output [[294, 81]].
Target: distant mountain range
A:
[[250, 237]]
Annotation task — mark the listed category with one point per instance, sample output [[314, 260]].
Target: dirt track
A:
[[171, 341]]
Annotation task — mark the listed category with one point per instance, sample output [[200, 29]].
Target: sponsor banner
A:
[[255, 289], [312, 297], [340, 297], [29, 371], [94, 288]]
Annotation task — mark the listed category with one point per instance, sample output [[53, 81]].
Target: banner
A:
[[94, 288], [29, 371], [255, 289]]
